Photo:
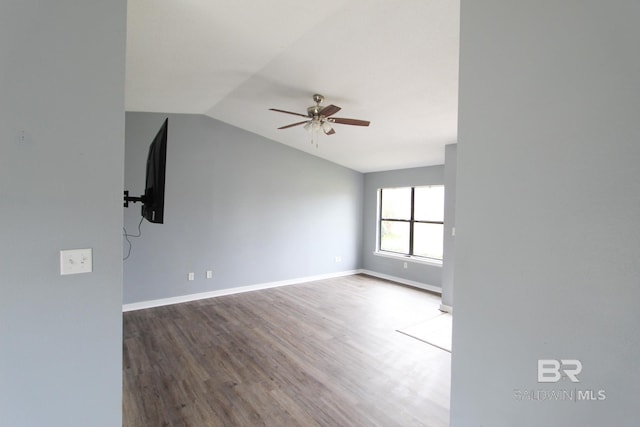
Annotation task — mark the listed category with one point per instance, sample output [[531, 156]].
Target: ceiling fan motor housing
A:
[[314, 110]]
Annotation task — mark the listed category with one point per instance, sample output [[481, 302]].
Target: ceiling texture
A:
[[393, 62]]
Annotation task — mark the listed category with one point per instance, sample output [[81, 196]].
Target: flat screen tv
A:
[[153, 198]]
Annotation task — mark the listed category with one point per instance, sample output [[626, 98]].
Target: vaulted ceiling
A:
[[393, 62]]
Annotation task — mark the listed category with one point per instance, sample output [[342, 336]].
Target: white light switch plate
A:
[[74, 261]]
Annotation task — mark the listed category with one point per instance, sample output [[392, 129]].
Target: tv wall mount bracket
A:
[[132, 199]]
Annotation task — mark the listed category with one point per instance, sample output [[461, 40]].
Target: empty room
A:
[[284, 222], [330, 177]]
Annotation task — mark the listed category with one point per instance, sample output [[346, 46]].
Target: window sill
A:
[[407, 258]]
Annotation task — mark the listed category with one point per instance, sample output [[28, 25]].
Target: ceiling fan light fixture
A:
[[318, 119], [314, 126]]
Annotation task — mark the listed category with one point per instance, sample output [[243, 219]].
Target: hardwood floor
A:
[[324, 353]]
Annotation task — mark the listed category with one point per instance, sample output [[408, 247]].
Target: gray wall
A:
[[420, 273], [448, 263], [61, 81], [548, 209], [250, 209]]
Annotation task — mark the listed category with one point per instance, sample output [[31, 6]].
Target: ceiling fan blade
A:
[[294, 124], [329, 110], [353, 122], [288, 112], [331, 132]]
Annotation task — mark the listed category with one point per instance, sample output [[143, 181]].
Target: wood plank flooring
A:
[[324, 353]]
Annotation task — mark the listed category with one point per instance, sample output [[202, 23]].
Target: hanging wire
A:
[[126, 237]]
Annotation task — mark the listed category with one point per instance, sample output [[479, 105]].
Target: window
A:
[[411, 221]]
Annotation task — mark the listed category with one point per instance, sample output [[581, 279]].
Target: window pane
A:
[[429, 203], [427, 240], [394, 236], [396, 203]]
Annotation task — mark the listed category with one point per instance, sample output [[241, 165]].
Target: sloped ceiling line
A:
[[394, 63]]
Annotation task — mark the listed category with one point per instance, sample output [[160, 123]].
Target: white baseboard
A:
[[446, 308], [412, 283], [230, 291]]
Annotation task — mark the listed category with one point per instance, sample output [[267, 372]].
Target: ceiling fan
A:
[[319, 118]]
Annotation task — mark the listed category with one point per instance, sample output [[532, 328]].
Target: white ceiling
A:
[[393, 62]]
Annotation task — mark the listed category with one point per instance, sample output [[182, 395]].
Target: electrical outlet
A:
[[338, 259], [75, 261], [191, 276], [209, 274], [406, 265]]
